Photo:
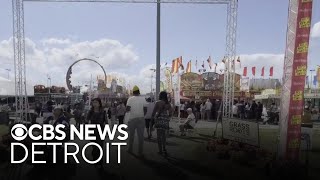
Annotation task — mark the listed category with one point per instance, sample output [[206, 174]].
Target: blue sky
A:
[[191, 31]]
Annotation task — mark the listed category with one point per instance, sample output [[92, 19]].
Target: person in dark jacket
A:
[[242, 110], [259, 111], [97, 115], [254, 107]]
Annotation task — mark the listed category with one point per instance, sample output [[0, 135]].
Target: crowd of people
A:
[[204, 110], [141, 115]]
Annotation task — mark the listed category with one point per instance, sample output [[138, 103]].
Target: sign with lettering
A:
[[297, 51], [191, 81], [212, 81], [241, 131]]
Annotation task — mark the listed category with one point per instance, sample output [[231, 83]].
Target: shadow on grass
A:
[[163, 170], [105, 174], [193, 139], [155, 141], [194, 167], [51, 172]]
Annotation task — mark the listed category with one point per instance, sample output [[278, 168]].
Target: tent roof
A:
[[7, 88]]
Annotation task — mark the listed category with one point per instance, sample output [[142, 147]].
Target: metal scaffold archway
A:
[[19, 46]]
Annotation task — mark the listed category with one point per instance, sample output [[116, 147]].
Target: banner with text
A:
[[298, 78]]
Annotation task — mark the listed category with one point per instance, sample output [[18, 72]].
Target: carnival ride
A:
[[69, 72]]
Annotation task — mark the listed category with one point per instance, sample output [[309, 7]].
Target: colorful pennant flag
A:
[[253, 71], [245, 71], [262, 71], [215, 67], [271, 71], [209, 62], [197, 64], [238, 60], [188, 70], [224, 59], [176, 64], [181, 67]]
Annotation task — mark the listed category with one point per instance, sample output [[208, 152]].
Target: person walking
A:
[[148, 121], [208, 106], [259, 111], [77, 115], [121, 111], [242, 110], [203, 110], [97, 115], [254, 107], [182, 107], [112, 113], [161, 115], [135, 106]]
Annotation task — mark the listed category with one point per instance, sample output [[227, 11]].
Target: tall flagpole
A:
[[158, 52]]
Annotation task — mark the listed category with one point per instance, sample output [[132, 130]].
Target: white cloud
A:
[[55, 60], [315, 31], [54, 41], [114, 56]]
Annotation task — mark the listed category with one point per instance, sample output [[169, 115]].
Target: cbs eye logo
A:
[[19, 132]]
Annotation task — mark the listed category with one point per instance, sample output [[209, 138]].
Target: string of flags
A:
[[177, 65], [253, 71]]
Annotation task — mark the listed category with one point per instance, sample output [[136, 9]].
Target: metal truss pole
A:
[[229, 74], [287, 74], [19, 59]]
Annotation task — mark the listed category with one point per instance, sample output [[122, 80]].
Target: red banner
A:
[[271, 71], [245, 71], [298, 78], [253, 71]]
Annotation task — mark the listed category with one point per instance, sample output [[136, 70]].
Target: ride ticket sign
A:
[[299, 72]]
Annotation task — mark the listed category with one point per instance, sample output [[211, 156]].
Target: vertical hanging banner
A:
[[168, 80], [318, 76], [290, 132], [245, 81]]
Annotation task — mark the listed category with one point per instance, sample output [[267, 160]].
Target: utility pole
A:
[[158, 52]]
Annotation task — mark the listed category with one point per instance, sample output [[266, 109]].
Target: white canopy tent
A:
[[7, 88]]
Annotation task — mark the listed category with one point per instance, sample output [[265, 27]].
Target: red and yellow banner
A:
[[176, 63], [298, 76]]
